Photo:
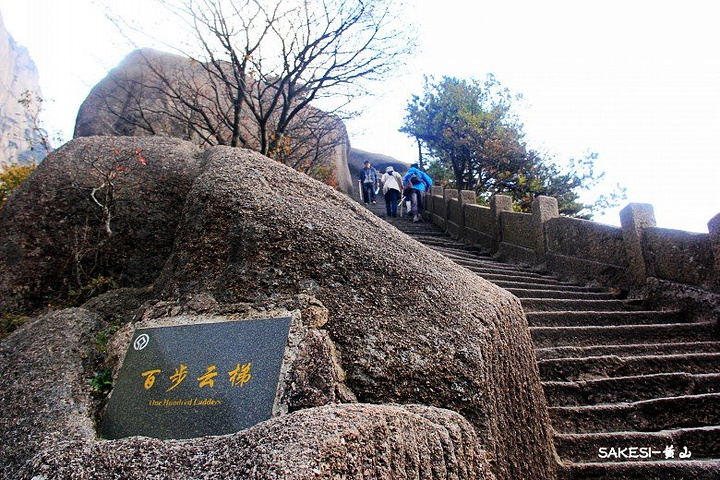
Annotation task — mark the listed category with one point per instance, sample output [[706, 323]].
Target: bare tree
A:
[[36, 138], [256, 66]]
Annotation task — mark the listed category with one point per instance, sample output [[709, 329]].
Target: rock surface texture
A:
[[378, 319], [48, 432], [135, 99], [52, 235], [409, 325]]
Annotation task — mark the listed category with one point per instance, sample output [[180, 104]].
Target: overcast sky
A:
[[636, 81]]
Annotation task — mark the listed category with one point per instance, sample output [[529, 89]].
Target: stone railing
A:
[[628, 256]]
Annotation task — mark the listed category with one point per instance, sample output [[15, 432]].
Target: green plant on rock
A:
[[101, 382], [103, 338], [94, 286]]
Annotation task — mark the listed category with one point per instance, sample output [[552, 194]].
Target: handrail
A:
[[625, 256]]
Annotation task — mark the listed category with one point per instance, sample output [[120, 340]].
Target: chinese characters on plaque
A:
[[197, 379]]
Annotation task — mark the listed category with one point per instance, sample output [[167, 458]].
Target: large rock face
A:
[[409, 325], [52, 236], [46, 430], [133, 100], [385, 321], [17, 76], [357, 158]]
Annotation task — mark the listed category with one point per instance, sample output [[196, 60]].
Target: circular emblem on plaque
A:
[[141, 341]]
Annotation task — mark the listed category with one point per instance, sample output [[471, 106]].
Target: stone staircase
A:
[[632, 394]]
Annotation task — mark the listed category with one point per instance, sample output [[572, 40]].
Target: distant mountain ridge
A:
[[17, 75]]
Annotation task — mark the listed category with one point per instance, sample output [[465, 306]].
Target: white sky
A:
[[636, 81]]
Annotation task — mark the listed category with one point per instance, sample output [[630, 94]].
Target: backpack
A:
[[417, 179]]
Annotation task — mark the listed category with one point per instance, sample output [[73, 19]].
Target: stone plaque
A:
[[199, 379]]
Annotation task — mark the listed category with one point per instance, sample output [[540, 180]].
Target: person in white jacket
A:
[[391, 182]]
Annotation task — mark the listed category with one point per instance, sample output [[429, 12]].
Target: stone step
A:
[[446, 245], [494, 275], [441, 242], [630, 350], [424, 232], [464, 253], [482, 266], [581, 406], [557, 305], [581, 336], [560, 294], [700, 443], [470, 258], [569, 319], [407, 226], [657, 470], [572, 369], [541, 285], [629, 389], [430, 239], [461, 250], [688, 411], [509, 273]]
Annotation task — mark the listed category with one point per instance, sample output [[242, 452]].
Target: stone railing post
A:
[[449, 194], [437, 190], [498, 204], [543, 209], [429, 205], [436, 205], [635, 218], [468, 196]]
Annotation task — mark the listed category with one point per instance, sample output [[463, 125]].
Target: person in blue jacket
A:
[[416, 183]]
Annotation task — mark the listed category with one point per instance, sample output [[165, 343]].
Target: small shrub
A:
[[11, 177], [101, 383], [103, 337], [95, 286], [325, 174]]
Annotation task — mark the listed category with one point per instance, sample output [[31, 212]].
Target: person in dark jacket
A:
[[370, 182]]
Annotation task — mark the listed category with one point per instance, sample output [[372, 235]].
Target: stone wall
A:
[[517, 241], [625, 256], [678, 256], [478, 225], [436, 205], [456, 217], [574, 246]]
